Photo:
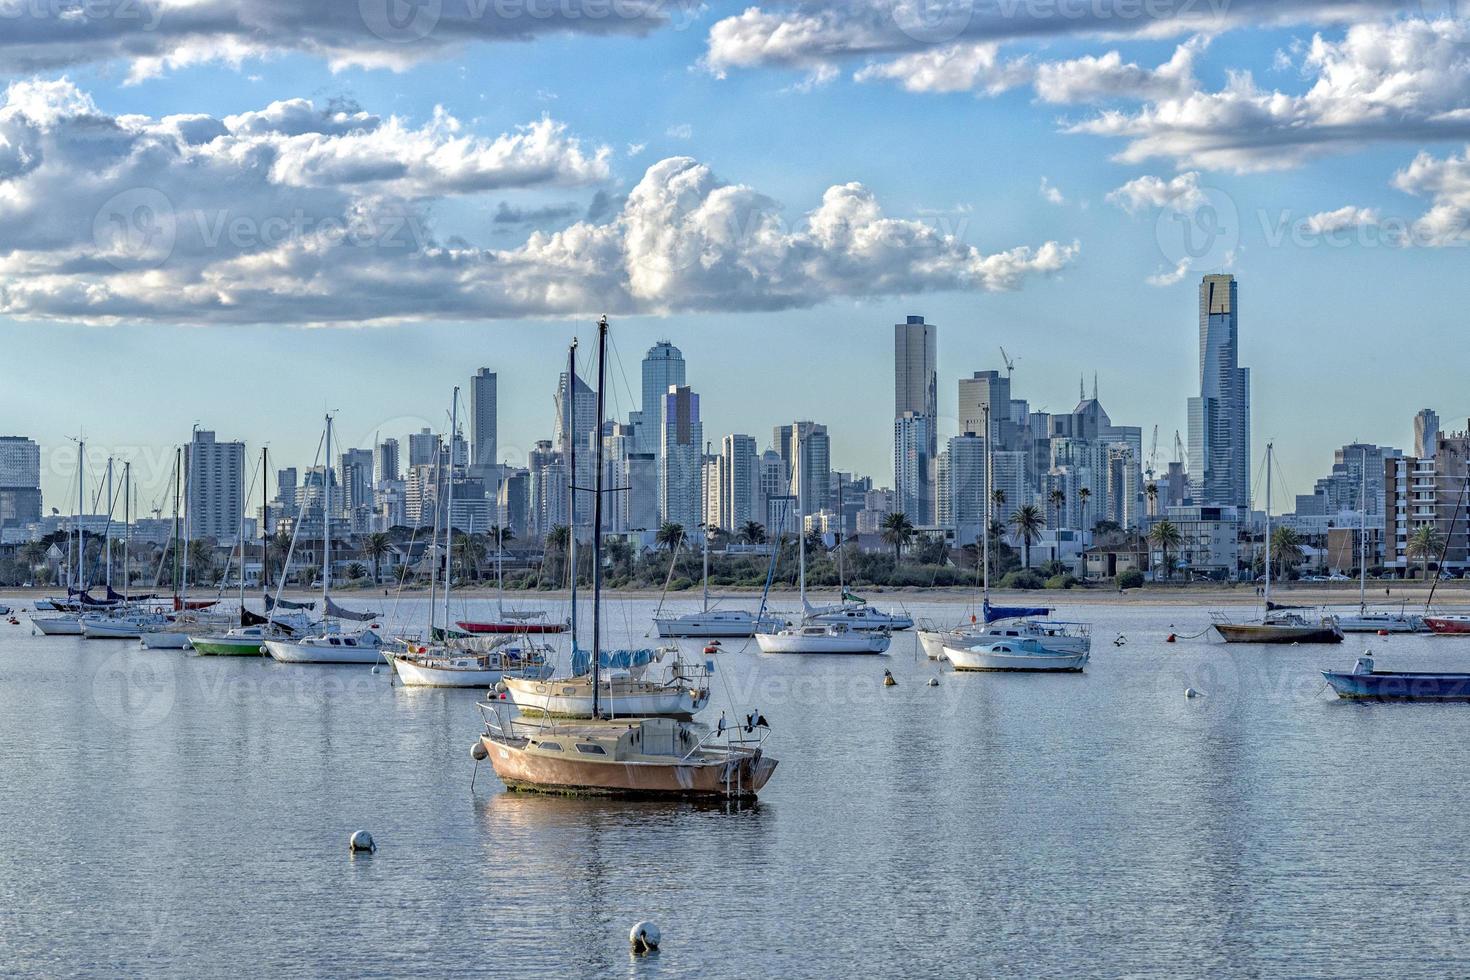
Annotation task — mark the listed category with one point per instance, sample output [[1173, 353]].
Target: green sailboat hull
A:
[[219, 646]]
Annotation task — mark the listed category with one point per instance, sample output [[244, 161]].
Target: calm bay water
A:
[[163, 813]]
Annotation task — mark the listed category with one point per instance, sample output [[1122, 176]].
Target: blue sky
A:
[[1339, 169]]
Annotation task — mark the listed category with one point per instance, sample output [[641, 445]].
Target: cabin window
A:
[[549, 746], [335, 642], [587, 749]]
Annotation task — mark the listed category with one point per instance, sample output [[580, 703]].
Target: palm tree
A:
[[1058, 499], [1152, 493], [280, 543], [752, 532], [32, 553], [897, 531], [201, 559], [1424, 543], [376, 547], [356, 571], [1286, 549], [1027, 521], [1166, 535], [1083, 495], [471, 552], [669, 535]]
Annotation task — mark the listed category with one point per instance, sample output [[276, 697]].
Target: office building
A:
[[483, 417], [681, 459], [663, 368], [1219, 418], [386, 461], [20, 481]]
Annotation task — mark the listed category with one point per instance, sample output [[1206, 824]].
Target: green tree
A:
[[1152, 492], [752, 532], [669, 535], [356, 571], [1425, 543], [1083, 496], [897, 530], [1058, 499], [1167, 537], [1286, 549], [1027, 521], [376, 547]]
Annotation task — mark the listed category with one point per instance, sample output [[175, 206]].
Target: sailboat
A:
[[639, 756], [1279, 624], [646, 682], [713, 623], [509, 620], [451, 661], [330, 644], [1365, 621], [810, 635], [68, 621]]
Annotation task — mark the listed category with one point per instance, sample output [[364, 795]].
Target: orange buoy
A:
[[1383, 632], [710, 649], [1170, 639]]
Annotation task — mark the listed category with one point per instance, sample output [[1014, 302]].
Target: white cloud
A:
[[1447, 182], [1168, 277], [1095, 79], [153, 36], [1181, 193], [681, 131], [1342, 219], [199, 220], [951, 68], [1402, 80], [1050, 193]]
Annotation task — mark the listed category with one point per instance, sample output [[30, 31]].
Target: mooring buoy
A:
[[361, 840], [644, 938]]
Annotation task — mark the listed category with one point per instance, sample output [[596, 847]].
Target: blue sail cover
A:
[[993, 613], [609, 659]]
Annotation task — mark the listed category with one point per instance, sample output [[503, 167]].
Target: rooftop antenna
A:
[[1094, 386]]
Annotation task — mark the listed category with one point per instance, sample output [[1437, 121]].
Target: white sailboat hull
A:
[[856, 642], [932, 642], [58, 625], [986, 657], [310, 652], [723, 625], [111, 629], [444, 674], [165, 640], [574, 700]]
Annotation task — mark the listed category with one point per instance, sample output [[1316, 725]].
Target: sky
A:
[[244, 213]]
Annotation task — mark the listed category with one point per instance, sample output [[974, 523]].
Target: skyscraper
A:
[[1220, 418], [20, 481], [663, 367], [483, 417], [216, 495], [576, 417], [915, 396], [1426, 433], [681, 459], [385, 461], [985, 389], [423, 448], [810, 453], [739, 482]]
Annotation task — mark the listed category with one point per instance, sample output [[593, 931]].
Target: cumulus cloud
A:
[[197, 220], [1168, 277], [1447, 182], [1400, 80], [1098, 78], [952, 68], [153, 36], [1181, 193], [1342, 219], [1050, 193]]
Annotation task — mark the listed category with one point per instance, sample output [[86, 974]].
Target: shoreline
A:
[[1311, 594]]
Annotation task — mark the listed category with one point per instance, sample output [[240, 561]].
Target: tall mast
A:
[[127, 521], [240, 536], [597, 516], [81, 504], [178, 482], [571, 423], [449, 505], [265, 523], [188, 511], [499, 551], [706, 522], [1268, 526], [434, 539], [107, 529], [800, 523], [985, 531], [1363, 536], [327, 522]]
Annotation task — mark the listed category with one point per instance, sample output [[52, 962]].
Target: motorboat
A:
[[1015, 654], [1364, 683], [837, 638]]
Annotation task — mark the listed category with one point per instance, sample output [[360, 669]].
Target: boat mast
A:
[[127, 521], [188, 511], [1363, 537], [107, 529], [327, 524], [706, 527], [240, 544], [265, 513], [449, 505], [500, 555], [597, 516], [81, 542], [1268, 526], [178, 482], [571, 429], [434, 539], [985, 532], [800, 525]]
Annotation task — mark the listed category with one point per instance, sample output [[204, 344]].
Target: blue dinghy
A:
[[1364, 683]]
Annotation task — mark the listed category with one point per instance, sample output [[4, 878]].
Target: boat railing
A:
[[733, 739]]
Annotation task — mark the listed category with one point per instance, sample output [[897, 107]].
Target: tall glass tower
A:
[[1220, 417]]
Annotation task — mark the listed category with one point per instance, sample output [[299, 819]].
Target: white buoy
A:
[[933, 682], [1190, 692], [644, 938], [375, 670], [478, 753], [362, 841]]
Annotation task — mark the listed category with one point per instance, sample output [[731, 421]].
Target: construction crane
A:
[[1010, 364], [1153, 455], [1179, 456]]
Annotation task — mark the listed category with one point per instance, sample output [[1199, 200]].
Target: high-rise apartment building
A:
[[915, 398], [214, 473], [483, 417], [20, 481], [1220, 417], [913, 466], [681, 459], [576, 417], [738, 490], [810, 455], [1426, 433], [663, 368], [423, 448], [386, 462]]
